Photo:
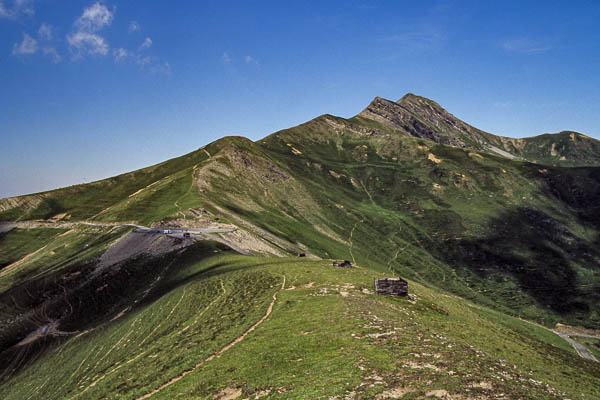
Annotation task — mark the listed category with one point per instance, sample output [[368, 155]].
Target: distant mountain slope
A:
[[424, 118]]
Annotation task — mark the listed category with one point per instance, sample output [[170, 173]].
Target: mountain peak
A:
[[424, 118], [407, 97], [410, 102]]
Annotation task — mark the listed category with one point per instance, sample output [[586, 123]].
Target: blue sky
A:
[[92, 89]]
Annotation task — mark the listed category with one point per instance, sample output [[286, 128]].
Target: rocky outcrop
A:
[[423, 118], [25, 202]]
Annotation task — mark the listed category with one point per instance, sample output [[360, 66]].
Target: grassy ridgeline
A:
[[327, 335]]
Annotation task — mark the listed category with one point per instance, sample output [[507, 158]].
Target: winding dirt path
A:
[[350, 241], [219, 352], [366, 191], [389, 265], [578, 347], [207, 153]]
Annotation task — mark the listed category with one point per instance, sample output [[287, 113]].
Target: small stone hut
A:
[[391, 287]]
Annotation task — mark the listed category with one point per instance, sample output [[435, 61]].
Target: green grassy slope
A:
[[569, 149], [327, 335], [518, 235], [92, 200], [16, 244], [514, 235]]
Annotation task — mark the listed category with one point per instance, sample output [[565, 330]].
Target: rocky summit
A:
[[212, 275]]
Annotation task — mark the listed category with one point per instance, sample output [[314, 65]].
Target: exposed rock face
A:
[[27, 202], [425, 119]]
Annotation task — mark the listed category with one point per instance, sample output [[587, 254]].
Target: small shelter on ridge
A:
[[391, 287]]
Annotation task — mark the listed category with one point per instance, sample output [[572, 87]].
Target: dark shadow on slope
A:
[[578, 189], [537, 252], [80, 303]]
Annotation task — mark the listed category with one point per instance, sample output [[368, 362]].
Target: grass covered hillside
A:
[[517, 236], [220, 324], [486, 239]]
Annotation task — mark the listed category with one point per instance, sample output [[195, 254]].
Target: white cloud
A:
[[252, 60], [94, 18], [133, 27], [146, 45], [85, 39], [53, 54], [525, 46], [120, 54], [19, 7], [226, 59], [26, 47], [87, 43], [45, 31]]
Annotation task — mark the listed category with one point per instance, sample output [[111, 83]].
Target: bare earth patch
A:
[[228, 393], [433, 158], [395, 393], [439, 393]]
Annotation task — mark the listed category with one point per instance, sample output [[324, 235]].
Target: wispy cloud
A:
[[251, 60], [120, 54], [16, 9], [146, 44], [142, 62], [87, 43], [152, 65], [226, 58], [418, 39], [133, 27], [46, 31], [94, 18], [85, 39], [27, 46], [526, 46]]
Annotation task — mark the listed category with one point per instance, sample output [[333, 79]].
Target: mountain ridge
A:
[[424, 118], [276, 191], [480, 140], [483, 240]]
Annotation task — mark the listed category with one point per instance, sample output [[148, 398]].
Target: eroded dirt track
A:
[[579, 348]]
